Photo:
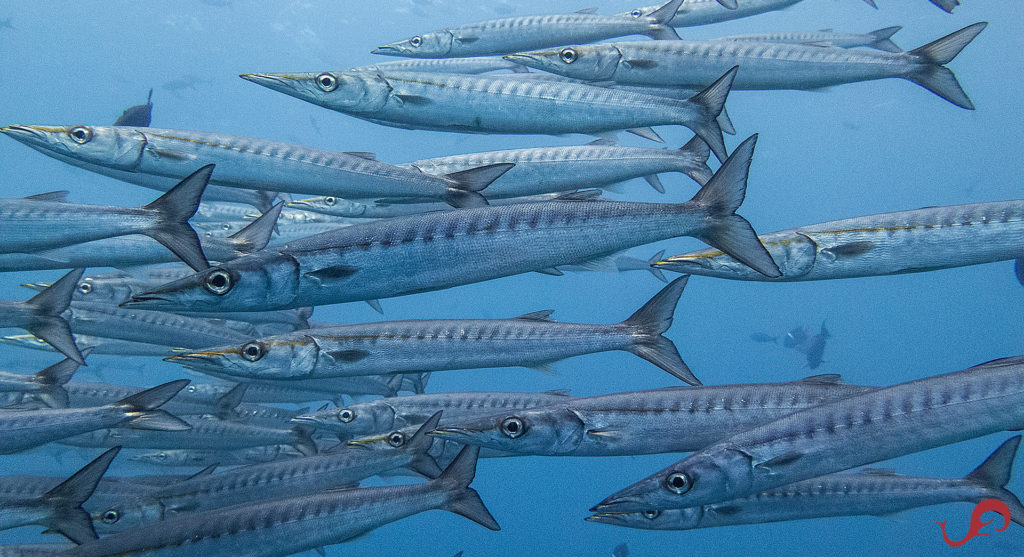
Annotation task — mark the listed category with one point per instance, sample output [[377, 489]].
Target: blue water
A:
[[852, 150]]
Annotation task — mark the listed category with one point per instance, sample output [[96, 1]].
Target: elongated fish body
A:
[[862, 429], [501, 36], [97, 345], [285, 526], [33, 549], [301, 391], [154, 327], [20, 430], [674, 419], [356, 209], [763, 65], [207, 457], [108, 490], [868, 492], [42, 315], [500, 104], [373, 261], [30, 225], [388, 414], [878, 40], [556, 169], [123, 251], [883, 244], [702, 12], [442, 451], [462, 65]]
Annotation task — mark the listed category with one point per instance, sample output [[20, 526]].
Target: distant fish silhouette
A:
[[621, 550], [138, 115], [816, 348], [796, 337], [764, 337], [186, 82], [6, 24]]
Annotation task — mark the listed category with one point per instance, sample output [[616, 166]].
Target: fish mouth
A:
[[362, 443], [617, 504], [613, 518], [526, 59], [29, 134], [283, 83], [387, 50], [197, 361], [462, 435], [307, 420], [146, 300]]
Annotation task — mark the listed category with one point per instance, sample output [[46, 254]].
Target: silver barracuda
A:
[[41, 315], [293, 477], [393, 413], [462, 65], [24, 429], [442, 451], [764, 65], [880, 39], [284, 526], [542, 170], [249, 163], [503, 103], [60, 508], [703, 12], [45, 386], [835, 436], [330, 205], [154, 327], [868, 492], [97, 345], [394, 347], [208, 457], [371, 261], [673, 419], [301, 391], [883, 244], [501, 36]]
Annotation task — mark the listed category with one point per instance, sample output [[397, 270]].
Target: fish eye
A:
[[218, 281], [252, 351], [678, 483], [327, 82], [161, 456], [80, 135], [191, 388], [346, 415], [513, 427], [85, 288], [651, 515], [416, 41], [330, 201], [111, 516], [568, 55], [396, 439], [636, 13]]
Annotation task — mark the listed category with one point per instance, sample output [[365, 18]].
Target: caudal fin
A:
[[53, 378], [256, 235], [946, 5], [711, 102], [67, 516], [1018, 268], [175, 208], [419, 444], [729, 232], [464, 500], [304, 442], [143, 413], [931, 72], [883, 39], [650, 322], [995, 473], [46, 322], [698, 151], [466, 185], [662, 31]]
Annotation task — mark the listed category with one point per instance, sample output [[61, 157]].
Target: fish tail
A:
[[175, 208], [871, 3], [728, 4], [304, 439], [650, 322], [932, 73], [465, 185], [68, 518], [1018, 269], [423, 463], [256, 235], [995, 473], [54, 377], [654, 270], [699, 151], [711, 102], [883, 39], [666, 12], [464, 500], [946, 5], [46, 321], [143, 408], [729, 232], [230, 400]]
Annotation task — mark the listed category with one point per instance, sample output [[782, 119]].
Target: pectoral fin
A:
[[348, 356], [332, 273], [779, 461]]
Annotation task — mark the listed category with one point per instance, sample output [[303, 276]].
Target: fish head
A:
[[389, 440], [356, 91], [127, 513], [589, 62], [171, 457], [794, 254], [668, 519], [288, 356], [103, 288], [437, 44], [545, 432], [354, 420], [330, 205], [107, 146], [257, 282], [718, 473]]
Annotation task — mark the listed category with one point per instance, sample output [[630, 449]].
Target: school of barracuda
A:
[[201, 279]]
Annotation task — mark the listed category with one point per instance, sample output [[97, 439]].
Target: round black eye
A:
[[80, 134], [218, 281], [330, 201], [85, 288], [568, 55], [111, 517], [416, 41], [396, 439], [346, 415], [191, 388], [678, 483], [161, 456], [513, 427], [651, 515], [252, 351], [327, 82], [636, 13]]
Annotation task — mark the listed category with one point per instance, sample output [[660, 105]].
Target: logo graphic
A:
[[994, 505]]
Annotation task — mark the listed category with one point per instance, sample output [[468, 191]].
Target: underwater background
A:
[[851, 150]]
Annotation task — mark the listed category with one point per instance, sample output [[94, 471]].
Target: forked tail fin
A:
[[711, 102], [67, 516], [175, 208], [464, 500], [994, 474], [54, 377], [143, 408], [932, 74], [46, 321], [650, 322], [883, 39], [419, 444], [466, 185]]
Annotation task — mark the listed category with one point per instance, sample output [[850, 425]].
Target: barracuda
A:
[[46, 386], [674, 419], [503, 104], [462, 65], [868, 492], [883, 244], [879, 39], [862, 429], [249, 163], [703, 12], [330, 205], [499, 36], [41, 315], [445, 249], [764, 65]]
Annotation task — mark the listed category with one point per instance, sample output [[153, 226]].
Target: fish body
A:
[[45, 385], [139, 115], [354, 209], [702, 12], [883, 244], [374, 260], [208, 457], [41, 315], [154, 327], [879, 39], [858, 430], [462, 65], [97, 345]]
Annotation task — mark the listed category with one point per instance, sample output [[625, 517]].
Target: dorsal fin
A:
[[542, 315], [256, 235], [1001, 362], [823, 379], [587, 11], [59, 196], [204, 472], [363, 155], [558, 392], [603, 141]]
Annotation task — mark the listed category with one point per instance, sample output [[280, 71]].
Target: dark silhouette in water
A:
[[764, 337], [138, 115], [621, 550], [815, 348], [801, 340]]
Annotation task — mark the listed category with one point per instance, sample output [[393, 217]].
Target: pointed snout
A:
[[461, 435]]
